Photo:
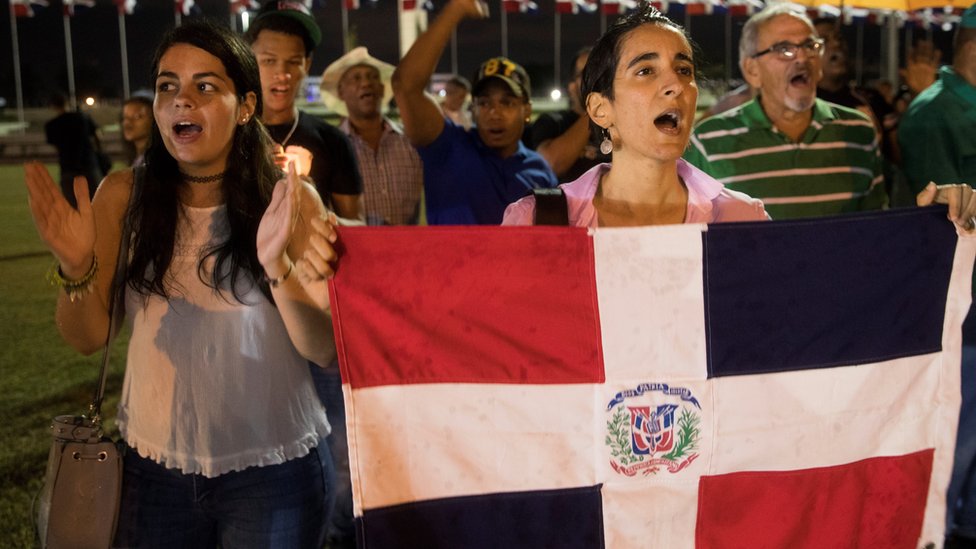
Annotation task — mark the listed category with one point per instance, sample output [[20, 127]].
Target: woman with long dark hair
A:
[[217, 405]]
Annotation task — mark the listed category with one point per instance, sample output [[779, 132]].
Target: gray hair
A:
[[748, 43]]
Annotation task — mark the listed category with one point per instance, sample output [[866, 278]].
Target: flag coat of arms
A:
[[783, 384]]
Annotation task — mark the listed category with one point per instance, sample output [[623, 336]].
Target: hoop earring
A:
[[606, 146]]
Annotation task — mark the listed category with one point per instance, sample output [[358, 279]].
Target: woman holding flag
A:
[[640, 92], [639, 89]]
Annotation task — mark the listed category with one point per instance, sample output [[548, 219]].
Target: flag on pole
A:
[[425, 5], [238, 7], [576, 6], [520, 6], [616, 7], [125, 7], [744, 9], [73, 7], [784, 384], [699, 8], [183, 7], [27, 8]]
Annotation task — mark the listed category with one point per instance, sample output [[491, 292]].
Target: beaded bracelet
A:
[[76, 289], [275, 282]]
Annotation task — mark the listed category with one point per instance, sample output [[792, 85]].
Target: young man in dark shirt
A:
[[283, 37]]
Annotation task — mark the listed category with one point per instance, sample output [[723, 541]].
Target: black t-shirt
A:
[[71, 134], [552, 125], [334, 167]]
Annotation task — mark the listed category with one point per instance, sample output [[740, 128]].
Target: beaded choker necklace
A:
[[202, 180]]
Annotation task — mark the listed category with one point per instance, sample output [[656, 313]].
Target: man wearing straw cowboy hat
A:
[[937, 135], [357, 86], [283, 36]]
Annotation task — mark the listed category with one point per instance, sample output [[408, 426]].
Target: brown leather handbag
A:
[[79, 503]]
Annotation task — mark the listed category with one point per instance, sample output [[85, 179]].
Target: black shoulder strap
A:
[[551, 207]]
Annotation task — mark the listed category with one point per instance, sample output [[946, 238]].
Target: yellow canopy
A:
[[901, 5]]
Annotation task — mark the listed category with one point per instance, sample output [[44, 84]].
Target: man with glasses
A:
[[801, 155], [469, 176]]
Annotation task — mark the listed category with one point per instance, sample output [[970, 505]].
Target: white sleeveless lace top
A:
[[211, 385]]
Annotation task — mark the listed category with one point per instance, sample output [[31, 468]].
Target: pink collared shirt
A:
[[708, 200]]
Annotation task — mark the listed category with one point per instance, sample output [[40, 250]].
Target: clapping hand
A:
[[317, 263], [68, 232], [278, 224]]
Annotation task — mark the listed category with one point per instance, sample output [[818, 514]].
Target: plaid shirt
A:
[[393, 176]]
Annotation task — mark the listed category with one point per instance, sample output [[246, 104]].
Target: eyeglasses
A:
[[788, 50]]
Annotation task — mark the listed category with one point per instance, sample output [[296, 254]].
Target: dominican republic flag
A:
[[576, 6], [183, 7], [25, 8], [74, 7], [520, 6], [125, 7], [789, 384], [240, 6], [696, 8], [616, 7], [417, 5], [744, 9]]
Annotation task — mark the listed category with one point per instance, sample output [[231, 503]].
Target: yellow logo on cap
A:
[[492, 67]]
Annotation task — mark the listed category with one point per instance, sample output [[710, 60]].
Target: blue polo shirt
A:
[[466, 183]]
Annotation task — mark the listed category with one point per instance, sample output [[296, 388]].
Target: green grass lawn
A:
[[40, 376]]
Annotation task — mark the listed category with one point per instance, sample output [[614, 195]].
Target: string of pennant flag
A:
[[946, 16]]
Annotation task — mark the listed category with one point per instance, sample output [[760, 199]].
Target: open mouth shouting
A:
[[669, 122], [801, 78], [281, 91], [184, 131], [495, 133]]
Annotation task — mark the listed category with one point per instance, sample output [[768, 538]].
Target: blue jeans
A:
[[961, 497], [328, 384], [275, 506]]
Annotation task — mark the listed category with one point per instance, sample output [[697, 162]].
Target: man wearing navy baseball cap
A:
[[469, 176], [937, 135]]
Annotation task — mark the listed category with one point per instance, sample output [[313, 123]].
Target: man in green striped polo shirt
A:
[[801, 155]]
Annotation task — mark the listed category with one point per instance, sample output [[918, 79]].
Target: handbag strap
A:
[[116, 295], [551, 207]]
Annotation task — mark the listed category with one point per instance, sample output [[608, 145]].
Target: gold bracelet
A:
[[76, 289], [275, 282]]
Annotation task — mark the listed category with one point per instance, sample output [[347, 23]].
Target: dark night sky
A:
[[95, 35]]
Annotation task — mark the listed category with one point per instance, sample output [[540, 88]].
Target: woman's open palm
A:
[[68, 232]]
